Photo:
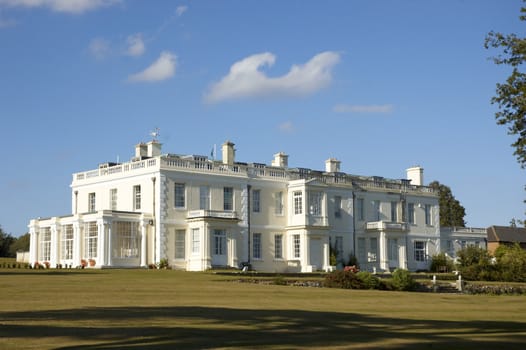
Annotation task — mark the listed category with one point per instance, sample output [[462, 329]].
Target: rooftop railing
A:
[[253, 171]]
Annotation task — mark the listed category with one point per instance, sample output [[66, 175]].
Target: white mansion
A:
[[197, 213]]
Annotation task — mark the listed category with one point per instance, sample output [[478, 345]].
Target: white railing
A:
[[116, 169], [219, 214], [251, 170], [386, 226]]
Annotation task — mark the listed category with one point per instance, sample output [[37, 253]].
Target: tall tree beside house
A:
[[20, 244], [511, 94], [452, 213], [5, 243]]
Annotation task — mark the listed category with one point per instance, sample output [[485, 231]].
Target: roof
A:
[[506, 234]]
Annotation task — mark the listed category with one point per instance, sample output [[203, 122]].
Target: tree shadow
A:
[[216, 327]]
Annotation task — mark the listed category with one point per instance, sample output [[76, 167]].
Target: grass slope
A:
[[164, 309]]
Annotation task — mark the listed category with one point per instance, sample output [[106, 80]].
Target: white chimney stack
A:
[[281, 160], [332, 165], [228, 153], [416, 175]]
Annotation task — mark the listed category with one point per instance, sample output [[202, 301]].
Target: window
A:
[[204, 197], [427, 212], [180, 200], [360, 209], [449, 245], [420, 250], [394, 213], [278, 246], [361, 250], [278, 209], [45, 244], [127, 239], [113, 199], [411, 213], [296, 245], [337, 206], [376, 210], [298, 202], [392, 252], [373, 249], [180, 236], [196, 241], [219, 247], [90, 240], [91, 202], [315, 200], [228, 198], [137, 197], [67, 242], [338, 247], [256, 200], [256, 245]]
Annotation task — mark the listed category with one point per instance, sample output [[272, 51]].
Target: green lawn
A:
[[164, 309]]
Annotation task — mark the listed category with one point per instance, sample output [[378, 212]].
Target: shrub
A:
[[440, 263], [511, 263], [475, 264], [163, 264], [342, 279], [402, 280], [369, 281], [279, 281]]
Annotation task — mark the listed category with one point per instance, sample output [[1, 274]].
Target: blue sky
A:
[[380, 85]]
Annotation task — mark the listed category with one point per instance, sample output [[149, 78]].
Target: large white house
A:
[[199, 213]]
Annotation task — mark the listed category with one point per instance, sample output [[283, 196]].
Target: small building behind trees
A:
[[505, 235]]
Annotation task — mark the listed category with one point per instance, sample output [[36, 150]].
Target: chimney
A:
[[416, 175], [281, 160], [332, 165], [141, 150], [154, 149], [228, 153]]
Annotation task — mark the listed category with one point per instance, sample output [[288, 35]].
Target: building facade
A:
[[199, 213]]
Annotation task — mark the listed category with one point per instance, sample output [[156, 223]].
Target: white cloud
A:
[[66, 6], [286, 127], [161, 69], [135, 45], [344, 108], [246, 80], [99, 48], [180, 10]]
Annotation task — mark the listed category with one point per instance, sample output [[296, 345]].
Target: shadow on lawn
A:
[[211, 327]]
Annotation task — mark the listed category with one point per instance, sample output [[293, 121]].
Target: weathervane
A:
[[155, 134]]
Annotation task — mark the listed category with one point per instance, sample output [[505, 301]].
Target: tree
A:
[[511, 263], [475, 263], [452, 213], [511, 95], [5, 242], [20, 244]]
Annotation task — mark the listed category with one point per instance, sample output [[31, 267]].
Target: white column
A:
[[100, 243], [77, 243], [55, 244], [33, 242], [403, 255], [109, 252], [206, 260], [305, 252], [144, 244], [326, 254], [384, 263]]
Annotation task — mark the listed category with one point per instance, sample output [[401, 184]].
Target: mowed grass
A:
[[165, 309]]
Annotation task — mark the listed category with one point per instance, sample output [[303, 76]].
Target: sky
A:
[[380, 85]]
